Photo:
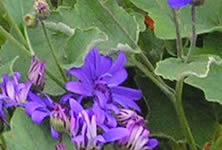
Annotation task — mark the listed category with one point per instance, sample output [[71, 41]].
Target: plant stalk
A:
[[164, 88], [53, 52], [194, 35], [181, 114], [178, 39]]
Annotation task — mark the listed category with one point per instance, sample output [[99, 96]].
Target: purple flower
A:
[[40, 108], [83, 129], [138, 138], [36, 74], [100, 79], [179, 3], [42, 9], [13, 93]]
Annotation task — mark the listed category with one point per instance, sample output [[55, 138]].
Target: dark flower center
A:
[[104, 89]]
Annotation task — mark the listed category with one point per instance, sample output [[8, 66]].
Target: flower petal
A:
[[119, 63], [152, 143], [179, 3], [31, 107], [110, 121], [38, 116], [79, 88], [127, 92], [54, 133], [2, 114], [10, 89], [99, 113], [125, 102], [115, 134], [75, 106], [117, 78]]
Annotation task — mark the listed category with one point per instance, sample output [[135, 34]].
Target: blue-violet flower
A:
[[13, 93], [84, 132], [100, 79], [179, 3], [40, 108]]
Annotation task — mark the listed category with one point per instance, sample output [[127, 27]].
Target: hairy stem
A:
[[194, 35], [178, 39], [53, 52], [181, 115], [27, 52]]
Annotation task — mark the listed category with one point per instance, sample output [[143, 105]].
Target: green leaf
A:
[[121, 28], [211, 84], [212, 45], [208, 17], [40, 46], [8, 67], [175, 69], [60, 27], [25, 135], [162, 118], [17, 9], [80, 43]]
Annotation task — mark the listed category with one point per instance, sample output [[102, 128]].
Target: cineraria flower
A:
[[179, 3], [40, 108], [13, 93], [36, 74], [138, 138], [100, 79], [83, 129]]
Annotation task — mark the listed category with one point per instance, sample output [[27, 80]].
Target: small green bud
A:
[[30, 21], [60, 125]]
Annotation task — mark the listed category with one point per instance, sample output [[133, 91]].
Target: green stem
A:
[[149, 74], [53, 52], [194, 35], [181, 115], [151, 68], [3, 146], [28, 41], [128, 3], [178, 39], [27, 52]]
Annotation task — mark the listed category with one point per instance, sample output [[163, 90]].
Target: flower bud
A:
[[42, 9], [60, 146], [59, 119], [30, 21], [197, 2], [36, 74]]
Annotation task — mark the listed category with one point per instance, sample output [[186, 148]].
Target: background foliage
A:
[[77, 26]]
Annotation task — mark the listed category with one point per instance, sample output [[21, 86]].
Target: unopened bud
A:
[[59, 120], [42, 9], [198, 2], [30, 21], [36, 74], [60, 146]]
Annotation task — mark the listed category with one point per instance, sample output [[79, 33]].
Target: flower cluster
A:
[[97, 110]]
